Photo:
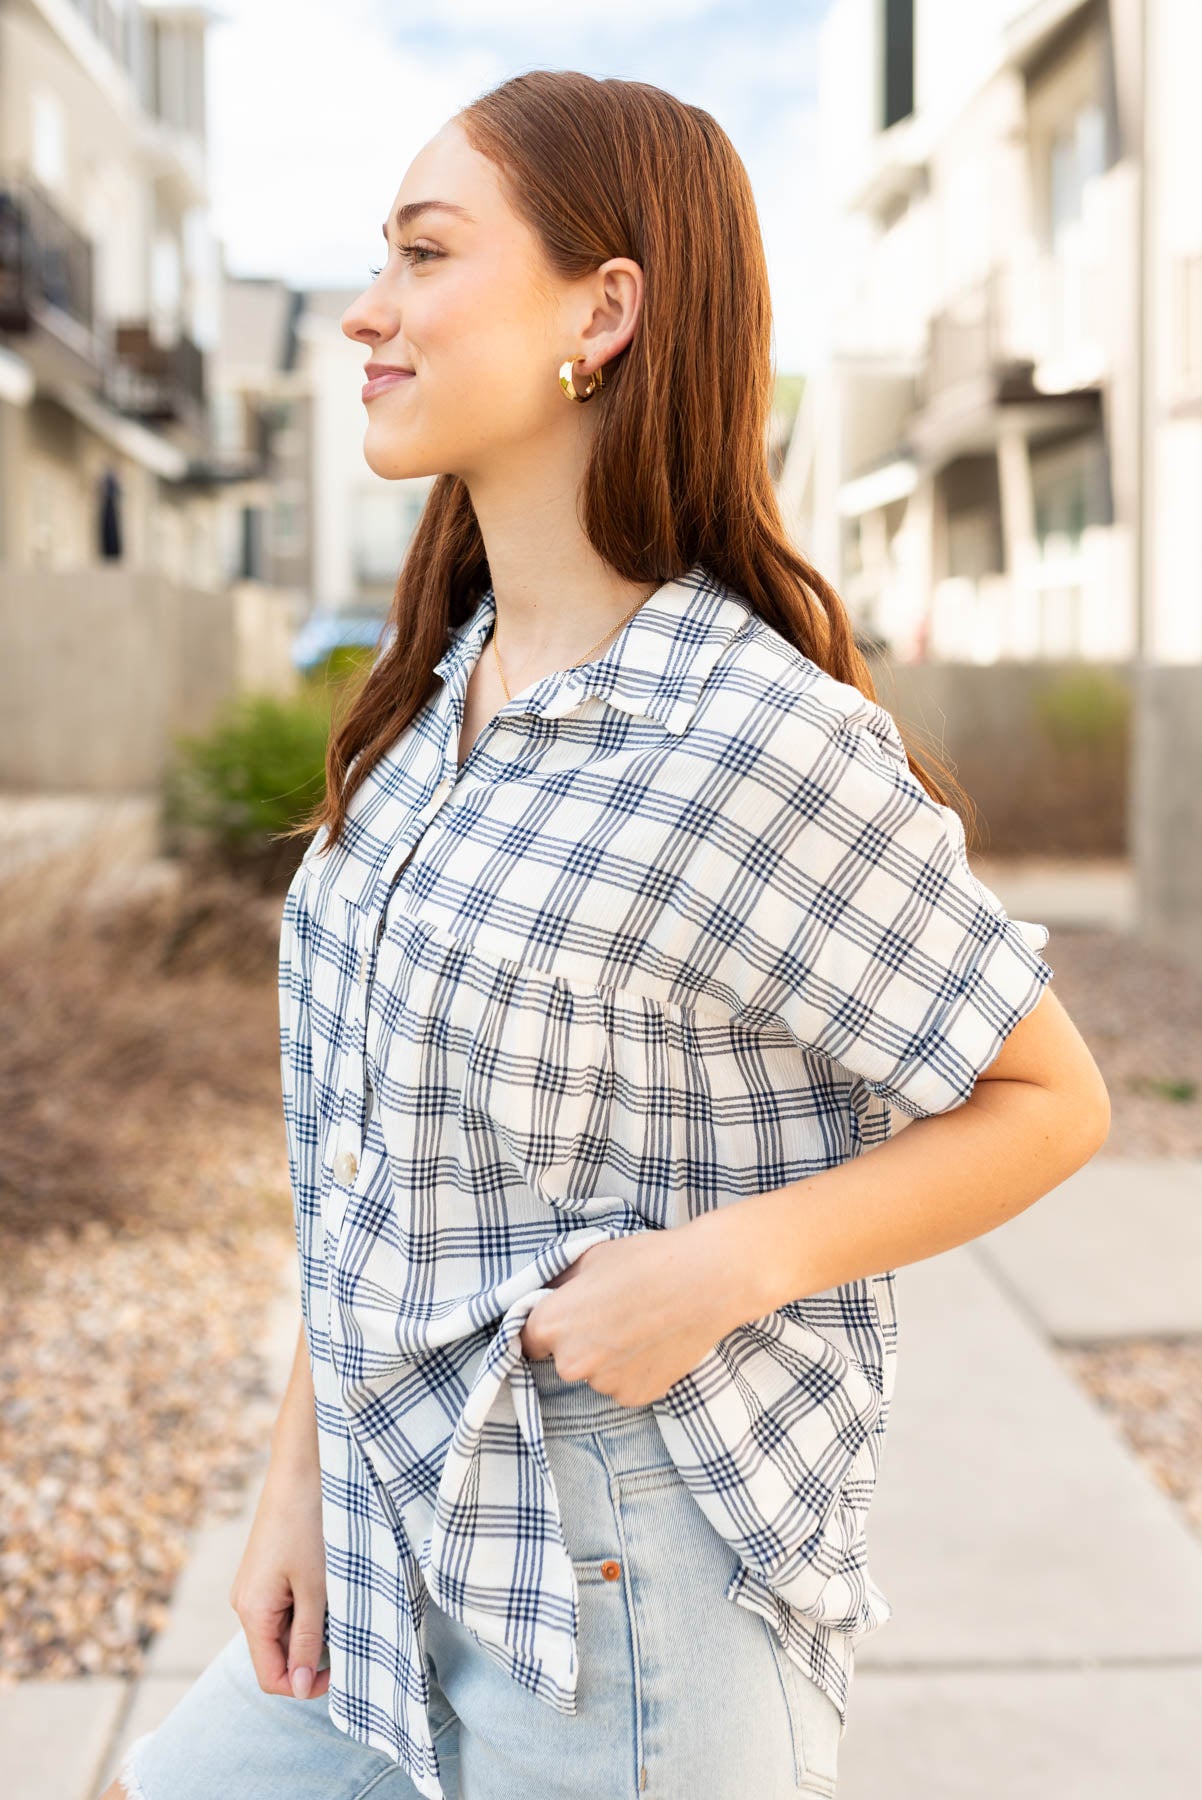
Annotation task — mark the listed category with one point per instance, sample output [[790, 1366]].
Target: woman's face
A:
[[464, 299]]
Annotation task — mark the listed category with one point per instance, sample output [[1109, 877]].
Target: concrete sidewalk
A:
[[1046, 1642]]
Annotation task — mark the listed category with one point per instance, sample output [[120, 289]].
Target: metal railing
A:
[[44, 260], [152, 380], [967, 339]]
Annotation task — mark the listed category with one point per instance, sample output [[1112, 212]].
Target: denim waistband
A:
[[574, 1406]]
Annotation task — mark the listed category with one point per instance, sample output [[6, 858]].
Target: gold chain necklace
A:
[[610, 633]]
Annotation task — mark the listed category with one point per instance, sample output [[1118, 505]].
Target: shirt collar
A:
[[656, 667]]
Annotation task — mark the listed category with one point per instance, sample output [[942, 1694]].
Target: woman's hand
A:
[[635, 1314], [279, 1592]]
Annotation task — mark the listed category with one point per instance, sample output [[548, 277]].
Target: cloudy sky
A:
[[316, 108]]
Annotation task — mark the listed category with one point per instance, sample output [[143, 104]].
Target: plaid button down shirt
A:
[[680, 930]]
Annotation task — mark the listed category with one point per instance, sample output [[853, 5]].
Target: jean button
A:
[[611, 1569]]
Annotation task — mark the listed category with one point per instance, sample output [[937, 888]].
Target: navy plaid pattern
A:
[[682, 929]]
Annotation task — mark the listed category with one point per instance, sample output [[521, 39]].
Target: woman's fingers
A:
[[305, 1644], [266, 1636]]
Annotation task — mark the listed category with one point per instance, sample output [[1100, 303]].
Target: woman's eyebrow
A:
[[407, 213]]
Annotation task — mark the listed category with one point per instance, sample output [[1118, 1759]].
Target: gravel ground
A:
[[1140, 1012], [129, 1384], [144, 1212], [1152, 1389], [144, 1221]]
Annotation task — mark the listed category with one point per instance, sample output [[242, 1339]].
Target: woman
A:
[[626, 921]]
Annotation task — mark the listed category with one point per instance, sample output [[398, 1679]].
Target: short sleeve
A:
[[888, 954]]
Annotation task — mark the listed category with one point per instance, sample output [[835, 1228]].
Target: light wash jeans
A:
[[682, 1694]]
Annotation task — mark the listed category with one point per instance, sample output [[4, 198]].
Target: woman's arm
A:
[[1037, 1114], [633, 1315], [294, 1434], [279, 1590]]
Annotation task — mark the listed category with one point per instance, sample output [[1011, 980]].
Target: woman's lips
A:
[[380, 382]]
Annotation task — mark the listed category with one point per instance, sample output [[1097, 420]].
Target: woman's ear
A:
[[618, 306]]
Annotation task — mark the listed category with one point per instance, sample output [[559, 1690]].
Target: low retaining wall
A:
[[100, 668]]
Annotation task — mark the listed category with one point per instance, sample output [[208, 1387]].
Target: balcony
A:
[[983, 365], [969, 342], [46, 265], [155, 382]]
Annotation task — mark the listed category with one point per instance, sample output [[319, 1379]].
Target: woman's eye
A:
[[416, 252]]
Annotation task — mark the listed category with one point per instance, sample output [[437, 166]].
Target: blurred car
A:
[[323, 632]]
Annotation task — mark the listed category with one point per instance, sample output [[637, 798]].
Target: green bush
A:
[[1085, 708], [343, 662], [257, 771]]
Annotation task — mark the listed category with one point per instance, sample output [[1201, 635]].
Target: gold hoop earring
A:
[[595, 380]]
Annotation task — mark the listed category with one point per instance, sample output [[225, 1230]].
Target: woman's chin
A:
[[390, 460]]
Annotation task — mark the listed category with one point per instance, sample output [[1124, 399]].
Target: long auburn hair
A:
[[678, 469]]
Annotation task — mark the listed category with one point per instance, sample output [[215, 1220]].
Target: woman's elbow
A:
[[1082, 1113], [1095, 1110]]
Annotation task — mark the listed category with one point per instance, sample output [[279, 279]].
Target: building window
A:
[[384, 522], [251, 559], [1078, 156], [897, 60], [1070, 479], [377, 538], [49, 145], [413, 503], [166, 284], [972, 500], [288, 519], [228, 421]]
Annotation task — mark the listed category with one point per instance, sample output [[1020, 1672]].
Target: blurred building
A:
[[998, 457], [303, 513], [319, 522], [1011, 337], [107, 285], [362, 523], [119, 625]]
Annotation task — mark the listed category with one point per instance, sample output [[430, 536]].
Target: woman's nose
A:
[[359, 322]]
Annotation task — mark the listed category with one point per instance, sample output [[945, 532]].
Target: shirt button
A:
[[611, 1569], [346, 1166]]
